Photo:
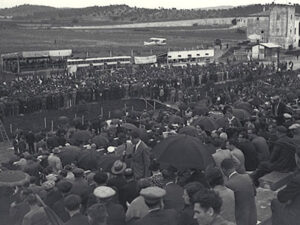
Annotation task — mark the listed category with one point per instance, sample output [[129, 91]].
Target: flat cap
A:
[[294, 126], [104, 192], [78, 171], [152, 194]]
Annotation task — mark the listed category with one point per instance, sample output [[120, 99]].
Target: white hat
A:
[[287, 116], [223, 136], [294, 126], [104, 192], [111, 149]]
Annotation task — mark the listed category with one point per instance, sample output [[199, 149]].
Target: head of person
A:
[[78, 173], [135, 137], [64, 186], [207, 205], [227, 111], [154, 166], [97, 214], [31, 199], [104, 193], [189, 190], [153, 197], [72, 203], [228, 167], [118, 168], [281, 131], [295, 128], [214, 176], [100, 178], [128, 174]]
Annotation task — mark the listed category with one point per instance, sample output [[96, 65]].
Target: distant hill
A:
[[116, 14]]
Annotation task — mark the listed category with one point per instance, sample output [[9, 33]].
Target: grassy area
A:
[[119, 41]]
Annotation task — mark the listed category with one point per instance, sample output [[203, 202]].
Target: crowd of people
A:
[[34, 93], [108, 172]]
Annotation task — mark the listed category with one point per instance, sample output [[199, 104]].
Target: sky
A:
[[179, 4]]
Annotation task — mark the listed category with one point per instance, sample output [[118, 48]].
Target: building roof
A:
[[38, 54], [270, 45]]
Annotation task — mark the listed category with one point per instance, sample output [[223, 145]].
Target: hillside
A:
[[113, 14]]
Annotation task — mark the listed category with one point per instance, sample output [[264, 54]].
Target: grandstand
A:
[[34, 62]]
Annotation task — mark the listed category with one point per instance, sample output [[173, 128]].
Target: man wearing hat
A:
[[117, 179], [157, 214], [72, 204], [116, 213], [80, 186], [282, 157], [140, 156]]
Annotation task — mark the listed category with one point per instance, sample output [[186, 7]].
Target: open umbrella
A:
[[182, 151], [11, 178], [176, 119], [205, 123], [100, 141], [63, 120], [88, 160], [69, 154], [189, 130], [81, 136], [129, 126], [200, 110], [106, 162], [243, 105], [241, 114]]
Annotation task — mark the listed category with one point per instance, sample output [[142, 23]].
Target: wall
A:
[[297, 33], [282, 24], [259, 26]]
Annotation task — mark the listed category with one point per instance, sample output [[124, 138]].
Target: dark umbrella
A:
[[200, 110], [107, 161], [189, 130], [88, 159], [12, 178], [205, 123], [176, 119], [81, 136], [129, 126], [182, 151], [69, 154], [100, 141], [243, 105], [63, 120], [241, 114]]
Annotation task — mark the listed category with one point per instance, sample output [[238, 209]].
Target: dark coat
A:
[[173, 198], [78, 219], [116, 214], [285, 211], [128, 193], [244, 194], [60, 210], [186, 216], [141, 161], [159, 217], [251, 157]]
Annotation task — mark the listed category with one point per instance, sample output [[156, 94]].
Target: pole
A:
[[11, 128], [101, 111], [109, 114], [154, 104], [52, 125], [45, 122], [82, 119]]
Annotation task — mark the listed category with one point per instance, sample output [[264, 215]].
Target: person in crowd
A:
[[140, 156], [97, 214], [244, 194], [156, 176], [129, 191], [207, 205], [117, 180], [72, 204], [215, 179], [174, 192], [285, 209], [186, 216], [100, 179], [37, 214], [157, 214], [54, 161], [115, 212]]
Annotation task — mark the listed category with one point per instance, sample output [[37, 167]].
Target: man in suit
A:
[[72, 204], [285, 209], [244, 194], [207, 207], [140, 156], [157, 215]]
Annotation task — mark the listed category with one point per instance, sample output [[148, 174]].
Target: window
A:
[[257, 18], [198, 54], [295, 30], [262, 31], [278, 16], [179, 56], [189, 56], [206, 53], [291, 16]]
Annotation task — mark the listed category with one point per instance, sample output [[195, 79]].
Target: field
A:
[[118, 41]]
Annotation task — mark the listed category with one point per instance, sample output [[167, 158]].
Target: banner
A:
[[145, 59]]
